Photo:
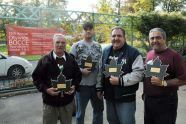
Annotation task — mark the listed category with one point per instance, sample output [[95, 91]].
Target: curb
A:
[[19, 92]]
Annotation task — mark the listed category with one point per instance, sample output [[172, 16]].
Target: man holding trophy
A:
[[57, 76], [88, 53], [165, 72], [120, 73]]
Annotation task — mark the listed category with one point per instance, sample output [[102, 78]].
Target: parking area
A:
[[27, 109]]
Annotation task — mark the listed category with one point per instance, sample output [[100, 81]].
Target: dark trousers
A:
[[161, 110]]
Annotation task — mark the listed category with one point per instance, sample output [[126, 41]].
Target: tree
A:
[[151, 5], [56, 4], [173, 23], [35, 3], [173, 5], [103, 30], [145, 5], [104, 6]]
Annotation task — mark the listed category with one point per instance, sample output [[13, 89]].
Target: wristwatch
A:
[[164, 83]]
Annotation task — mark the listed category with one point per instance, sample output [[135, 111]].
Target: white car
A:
[[14, 66]]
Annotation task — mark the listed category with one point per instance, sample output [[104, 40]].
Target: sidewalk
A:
[[181, 113], [27, 109]]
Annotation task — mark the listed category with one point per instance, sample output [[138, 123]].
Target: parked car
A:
[[14, 66]]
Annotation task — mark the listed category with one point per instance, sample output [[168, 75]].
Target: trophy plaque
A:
[[88, 63], [156, 69], [61, 83], [113, 69]]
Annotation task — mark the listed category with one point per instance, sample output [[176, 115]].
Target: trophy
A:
[[61, 83], [156, 69], [113, 69], [88, 63]]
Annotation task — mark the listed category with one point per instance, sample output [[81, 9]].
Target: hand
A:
[[156, 81], [71, 91], [100, 95], [85, 71], [114, 80], [52, 91]]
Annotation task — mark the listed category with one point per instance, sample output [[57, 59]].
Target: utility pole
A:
[[119, 5], [117, 19]]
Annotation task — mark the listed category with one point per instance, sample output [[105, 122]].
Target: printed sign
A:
[[29, 40]]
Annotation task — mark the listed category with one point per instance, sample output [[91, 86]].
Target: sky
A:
[[81, 5]]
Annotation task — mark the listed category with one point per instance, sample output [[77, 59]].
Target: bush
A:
[[173, 23], [3, 48]]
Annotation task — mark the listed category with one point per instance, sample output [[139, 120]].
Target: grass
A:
[[3, 48], [32, 57]]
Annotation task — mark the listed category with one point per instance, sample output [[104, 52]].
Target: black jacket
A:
[[47, 69]]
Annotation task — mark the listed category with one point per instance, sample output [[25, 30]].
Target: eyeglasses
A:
[[157, 38]]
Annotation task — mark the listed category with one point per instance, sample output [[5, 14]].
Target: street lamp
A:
[[117, 20]]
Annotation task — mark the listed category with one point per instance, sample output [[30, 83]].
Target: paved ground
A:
[[27, 109]]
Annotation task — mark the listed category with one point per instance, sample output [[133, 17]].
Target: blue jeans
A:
[[121, 112], [85, 94]]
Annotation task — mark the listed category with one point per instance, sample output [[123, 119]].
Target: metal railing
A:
[[58, 15]]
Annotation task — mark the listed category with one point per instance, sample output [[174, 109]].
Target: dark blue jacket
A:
[[121, 93]]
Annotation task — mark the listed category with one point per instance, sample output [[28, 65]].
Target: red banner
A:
[[29, 40]]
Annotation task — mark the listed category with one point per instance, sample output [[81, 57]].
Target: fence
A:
[[70, 21]]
